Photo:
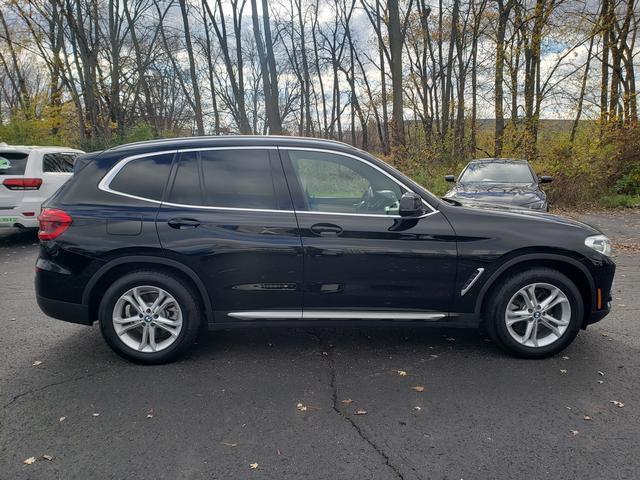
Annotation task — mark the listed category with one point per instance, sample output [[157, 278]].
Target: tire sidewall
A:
[[508, 290], [185, 299]]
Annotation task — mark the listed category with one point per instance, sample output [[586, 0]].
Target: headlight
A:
[[599, 243], [536, 205]]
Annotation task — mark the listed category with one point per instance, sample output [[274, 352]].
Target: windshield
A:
[[487, 172]]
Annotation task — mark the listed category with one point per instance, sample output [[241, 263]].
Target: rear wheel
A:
[[535, 314], [149, 317]]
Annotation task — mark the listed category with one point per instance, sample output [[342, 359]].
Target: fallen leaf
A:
[[253, 466], [37, 362], [62, 419], [47, 457], [563, 371], [565, 358], [402, 373], [150, 413], [604, 334], [574, 432], [30, 461], [600, 381], [587, 417], [433, 356], [617, 403], [600, 373], [347, 401], [96, 414], [301, 407], [229, 444], [278, 452], [361, 412], [418, 408], [418, 388]]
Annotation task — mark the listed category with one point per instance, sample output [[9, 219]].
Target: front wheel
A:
[[535, 314], [149, 317]]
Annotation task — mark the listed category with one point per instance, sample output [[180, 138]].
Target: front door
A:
[[228, 216], [361, 259]]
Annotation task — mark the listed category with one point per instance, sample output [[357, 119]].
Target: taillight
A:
[[22, 183], [53, 223]]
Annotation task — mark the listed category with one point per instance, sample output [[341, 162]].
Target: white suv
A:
[[28, 176]]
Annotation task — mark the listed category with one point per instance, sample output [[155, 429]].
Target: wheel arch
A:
[[569, 266], [122, 265]]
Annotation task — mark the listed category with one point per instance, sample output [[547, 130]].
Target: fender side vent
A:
[[471, 280]]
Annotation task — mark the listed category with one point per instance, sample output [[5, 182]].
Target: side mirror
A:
[[546, 179], [450, 178], [410, 205]]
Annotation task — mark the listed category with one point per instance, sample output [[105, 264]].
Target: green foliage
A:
[[619, 200]]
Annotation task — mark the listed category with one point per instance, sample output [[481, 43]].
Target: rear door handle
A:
[[326, 229], [183, 223]]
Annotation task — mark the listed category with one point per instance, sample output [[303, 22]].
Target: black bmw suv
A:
[[155, 240]]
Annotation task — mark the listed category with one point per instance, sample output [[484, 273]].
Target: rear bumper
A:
[[69, 312], [18, 219]]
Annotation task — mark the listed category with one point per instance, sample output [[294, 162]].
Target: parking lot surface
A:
[[318, 403]]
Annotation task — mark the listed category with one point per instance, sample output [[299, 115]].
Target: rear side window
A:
[[144, 177], [13, 163], [239, 178], [58, 162]]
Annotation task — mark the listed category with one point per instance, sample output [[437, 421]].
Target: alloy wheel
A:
[[538, 315], [147, 319]]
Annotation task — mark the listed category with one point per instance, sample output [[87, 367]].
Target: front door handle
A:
[[183, 223], [326, 229]]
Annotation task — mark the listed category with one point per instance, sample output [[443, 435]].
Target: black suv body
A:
[[158, 238]]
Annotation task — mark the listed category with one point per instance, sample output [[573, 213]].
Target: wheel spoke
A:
[[544, 304], [556, 301], [145, 338], [555, 321], [167, 328], [529, 295], [515, 316], [130, 327], [551, 327], [152, 337], [132, 301], [141, 303], [123, 321], [528, 331], [161, 296]]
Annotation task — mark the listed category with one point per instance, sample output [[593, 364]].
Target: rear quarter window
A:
[[144, 177], [13, 163], [58, 162]]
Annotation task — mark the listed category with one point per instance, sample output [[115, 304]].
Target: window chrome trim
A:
[[105, 183], [334, 315]]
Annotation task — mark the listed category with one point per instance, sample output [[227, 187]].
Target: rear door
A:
[[228, 215]]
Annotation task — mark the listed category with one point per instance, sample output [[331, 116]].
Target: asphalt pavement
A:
[[318, 403]]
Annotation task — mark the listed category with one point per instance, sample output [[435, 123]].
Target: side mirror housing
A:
[[410, 205], [450, 178], [546, 179]]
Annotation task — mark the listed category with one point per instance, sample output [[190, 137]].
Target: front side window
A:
[[338, 184], [498, 172], [229, 178], [144, 177], [58, 162]]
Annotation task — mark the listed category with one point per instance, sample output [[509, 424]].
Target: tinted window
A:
[[13, 163], [230, 178], [488, 172], [144, 177], [335, 183], [58, 162]]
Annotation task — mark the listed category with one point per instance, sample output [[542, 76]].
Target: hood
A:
[[509, 194]]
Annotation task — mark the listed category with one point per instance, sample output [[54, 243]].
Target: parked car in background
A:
[[158, 239], [28, 176], [502, 182]]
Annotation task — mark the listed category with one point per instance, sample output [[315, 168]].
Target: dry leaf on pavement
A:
[[253, 466], [617, 403], [600, 373], [37, 362], [47, 457], [62, 419], [574, 432], [347, 401], [587, 417], [229, 444], [96, 414], [402, 373], [563, 371], [361, 412], [418, 388], [30, 461]]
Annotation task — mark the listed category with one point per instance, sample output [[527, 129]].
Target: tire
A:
[[180, 319], [511, 322]]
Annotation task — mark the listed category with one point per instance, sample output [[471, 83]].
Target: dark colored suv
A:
[[157, 239]]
